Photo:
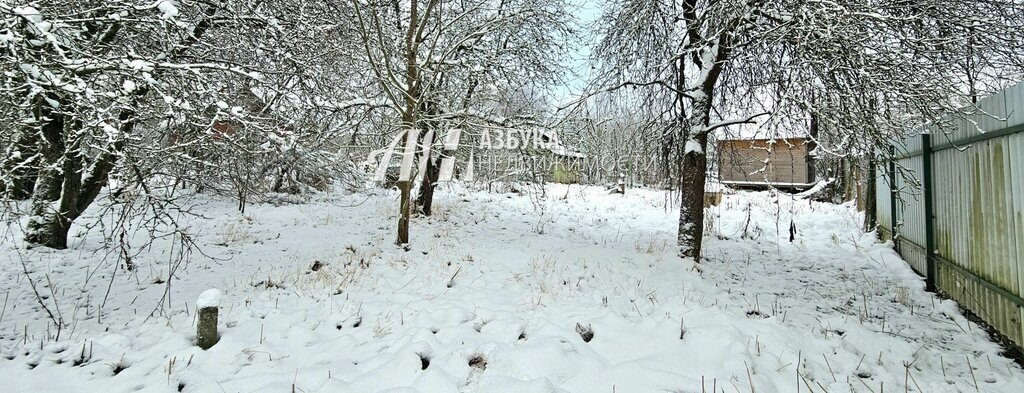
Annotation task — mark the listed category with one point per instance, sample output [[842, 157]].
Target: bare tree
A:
[[866, 70], [445, 63], [94, 92]]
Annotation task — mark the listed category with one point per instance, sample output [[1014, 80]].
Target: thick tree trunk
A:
[[48, 228], [48, 224], [63, 189], [50, 221], [51, 232], [693, 176], [52, 217], [693, 171]]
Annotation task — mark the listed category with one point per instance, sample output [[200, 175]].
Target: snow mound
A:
[[168, 9]]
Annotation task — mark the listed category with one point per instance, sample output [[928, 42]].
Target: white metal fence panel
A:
[[1014, 103], [910, 205], [883, 201]]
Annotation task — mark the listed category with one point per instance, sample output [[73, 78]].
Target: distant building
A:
[[526, 153], [763, 163]]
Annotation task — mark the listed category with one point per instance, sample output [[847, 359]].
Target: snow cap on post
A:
[[209, 298]]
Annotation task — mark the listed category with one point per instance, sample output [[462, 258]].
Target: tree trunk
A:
[[51, 219], [409, 119], [403, 214], [405, 178], [870, 195], [48, 228], [61, 191], [426, 198], [64, 187], [693, 176], [23, 173], [693, 171]]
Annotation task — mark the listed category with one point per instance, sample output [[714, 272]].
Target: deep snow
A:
[[488, 299]]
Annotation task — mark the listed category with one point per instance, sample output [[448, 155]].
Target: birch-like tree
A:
[[866, 70]]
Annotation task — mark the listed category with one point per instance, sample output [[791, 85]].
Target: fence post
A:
[[929, 213], [892, 197], [870, 205]]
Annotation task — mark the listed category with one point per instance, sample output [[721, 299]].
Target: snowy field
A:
[[489, 298]]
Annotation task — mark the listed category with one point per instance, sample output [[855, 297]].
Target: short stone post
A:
[[206, 327]]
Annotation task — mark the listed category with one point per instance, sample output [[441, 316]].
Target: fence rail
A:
[[953, 202]]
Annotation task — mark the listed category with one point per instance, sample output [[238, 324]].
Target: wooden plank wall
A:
[[764, 161]]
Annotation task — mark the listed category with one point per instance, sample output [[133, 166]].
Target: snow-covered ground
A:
[[490, 298]]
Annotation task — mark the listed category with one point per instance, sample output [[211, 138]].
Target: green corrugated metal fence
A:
[[953, 201]]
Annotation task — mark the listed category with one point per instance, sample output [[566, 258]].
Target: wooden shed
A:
[[763, 163]]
